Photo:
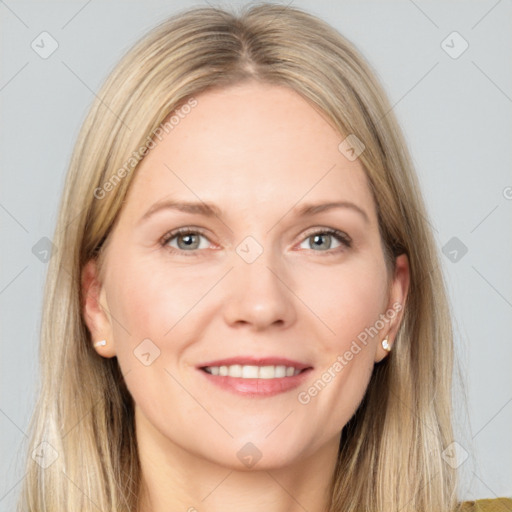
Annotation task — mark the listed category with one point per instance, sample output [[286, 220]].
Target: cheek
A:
[[347, 300], [350, 305], [149, 306], [150, 299]]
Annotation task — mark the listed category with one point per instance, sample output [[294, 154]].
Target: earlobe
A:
[[95, 310], [383, 349]]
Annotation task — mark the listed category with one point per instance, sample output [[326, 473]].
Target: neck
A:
[[175, 479]]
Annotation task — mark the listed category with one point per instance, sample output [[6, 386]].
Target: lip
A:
[[256, 387]]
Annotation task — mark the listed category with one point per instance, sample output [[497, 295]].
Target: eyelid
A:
[[327, 230]]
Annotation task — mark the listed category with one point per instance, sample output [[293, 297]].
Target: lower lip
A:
[[257, 387]]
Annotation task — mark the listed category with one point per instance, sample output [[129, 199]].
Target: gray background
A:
[[456, 115]]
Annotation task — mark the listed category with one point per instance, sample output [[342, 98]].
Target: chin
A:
[[257, 454]]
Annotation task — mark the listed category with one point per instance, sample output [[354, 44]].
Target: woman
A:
[[246, 308]]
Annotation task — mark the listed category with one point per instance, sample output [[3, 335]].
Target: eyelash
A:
[[338, 235]]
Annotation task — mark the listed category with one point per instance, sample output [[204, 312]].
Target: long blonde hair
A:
[[390, 455]]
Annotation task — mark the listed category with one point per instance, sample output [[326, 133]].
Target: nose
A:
[[259, 295]]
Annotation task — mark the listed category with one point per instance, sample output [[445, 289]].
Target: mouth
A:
[[255, 377]]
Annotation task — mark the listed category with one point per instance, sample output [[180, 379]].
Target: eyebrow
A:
[[211, 210]]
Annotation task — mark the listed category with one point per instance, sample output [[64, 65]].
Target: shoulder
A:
[[488, 505]]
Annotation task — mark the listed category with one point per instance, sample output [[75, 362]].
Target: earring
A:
[[385, 345], [101, 343]]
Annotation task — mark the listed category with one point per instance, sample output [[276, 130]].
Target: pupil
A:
[[187, 240], [318, 241]]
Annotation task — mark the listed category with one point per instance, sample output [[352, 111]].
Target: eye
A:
[[185, 240], [188, 240], [323, 240]]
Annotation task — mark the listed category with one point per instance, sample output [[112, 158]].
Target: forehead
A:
[[250, 144]]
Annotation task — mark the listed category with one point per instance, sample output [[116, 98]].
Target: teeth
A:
[[266, 372], [248, 372], [235, 370], [253, 372]]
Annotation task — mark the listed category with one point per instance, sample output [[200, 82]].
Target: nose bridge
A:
[[257, 291]]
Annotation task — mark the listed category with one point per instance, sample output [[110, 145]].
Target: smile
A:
[[253, 372], [253, 377]]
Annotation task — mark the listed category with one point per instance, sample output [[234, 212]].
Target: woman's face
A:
[[259, 282]]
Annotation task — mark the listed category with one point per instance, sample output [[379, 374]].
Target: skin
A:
[[296, 300]]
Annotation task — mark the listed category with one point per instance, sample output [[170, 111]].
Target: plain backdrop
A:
[[452, 94]]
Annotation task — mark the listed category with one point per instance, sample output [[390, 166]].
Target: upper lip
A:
[[256, 361]]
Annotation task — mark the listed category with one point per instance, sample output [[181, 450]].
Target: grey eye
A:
[[321, 241], [188, 241]]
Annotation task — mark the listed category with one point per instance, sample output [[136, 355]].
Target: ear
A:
[[397, 299], [95, 310]]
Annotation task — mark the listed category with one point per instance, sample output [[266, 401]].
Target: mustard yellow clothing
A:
[[488, 505]]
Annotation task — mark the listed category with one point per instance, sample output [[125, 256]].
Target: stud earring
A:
[[101, 343], [385, 345]]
